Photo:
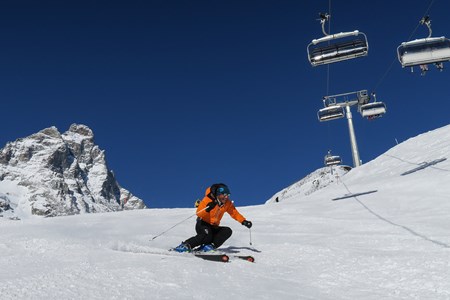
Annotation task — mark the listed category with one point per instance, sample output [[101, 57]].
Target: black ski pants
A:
[[209, 234]]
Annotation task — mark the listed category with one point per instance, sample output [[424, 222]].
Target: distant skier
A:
[[210, 211]]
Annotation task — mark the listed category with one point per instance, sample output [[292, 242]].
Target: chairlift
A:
[[336, 47], [329, 113], [332, 160], [421, 52], [372, 110]]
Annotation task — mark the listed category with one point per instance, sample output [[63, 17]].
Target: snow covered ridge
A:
[[313, 182], [407, 156], [52, 174]]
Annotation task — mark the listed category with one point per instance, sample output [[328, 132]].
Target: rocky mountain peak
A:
[[54, 174], [82, 130]]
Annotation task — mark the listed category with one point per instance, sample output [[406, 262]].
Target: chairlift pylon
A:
[[421, 52], [336, 47], [335, 110]]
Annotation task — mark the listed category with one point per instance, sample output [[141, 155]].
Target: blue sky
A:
[[183, 94]]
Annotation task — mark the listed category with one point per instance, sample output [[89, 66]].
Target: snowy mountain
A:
[[379, 232], [311, 183], [53, 174]]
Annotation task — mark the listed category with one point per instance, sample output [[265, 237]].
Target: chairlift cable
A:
[[388, 70], [329, 30], [328, 71], [424, 16]]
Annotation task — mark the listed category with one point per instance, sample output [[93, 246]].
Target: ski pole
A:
[[177, 224], [250, 231]]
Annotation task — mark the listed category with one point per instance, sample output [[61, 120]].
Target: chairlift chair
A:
[[421, 52], [329, 113], [336, 47], [373, 110], [424, 51], [332, 160]]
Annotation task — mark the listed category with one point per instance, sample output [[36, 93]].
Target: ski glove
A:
[[210, 206], [247, 224]]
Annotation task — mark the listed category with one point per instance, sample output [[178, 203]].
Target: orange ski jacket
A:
[[214, 216]]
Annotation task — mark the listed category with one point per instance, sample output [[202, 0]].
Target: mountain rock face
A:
[[53, 174], [311, 183]]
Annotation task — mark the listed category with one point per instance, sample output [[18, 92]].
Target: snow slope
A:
[[388, 244]]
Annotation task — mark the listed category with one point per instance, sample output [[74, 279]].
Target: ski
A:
[[224, 257], [248, 258], [216, 256], [213, 257]]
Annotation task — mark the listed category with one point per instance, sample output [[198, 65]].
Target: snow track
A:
[[392, 244]]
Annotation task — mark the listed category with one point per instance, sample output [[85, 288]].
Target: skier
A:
[[210, 211]]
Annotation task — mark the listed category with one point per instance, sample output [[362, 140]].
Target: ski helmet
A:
[[223, 190]]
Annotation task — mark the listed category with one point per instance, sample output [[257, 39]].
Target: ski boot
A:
[[183, 247]]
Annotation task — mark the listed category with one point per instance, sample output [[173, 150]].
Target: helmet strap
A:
[[220, 203]]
